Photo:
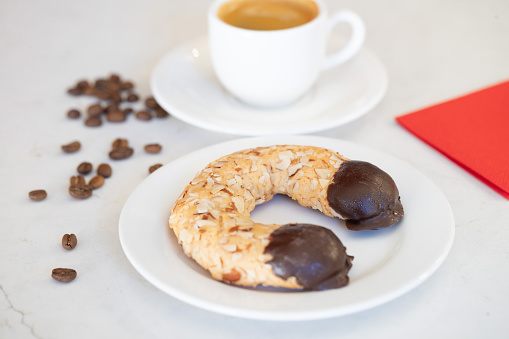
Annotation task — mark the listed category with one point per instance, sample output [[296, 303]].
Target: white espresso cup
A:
[[271, 68]]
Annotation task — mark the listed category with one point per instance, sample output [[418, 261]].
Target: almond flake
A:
[[259, 201], [248, 196], [220, 164], [202, 223], [324, 182], [236, 256], [246, 235], [217, 261], [215, 214], [204, 206], [239, 203], [286, 155], [293, 169], [314, 184], [216, 188], [230, 247], [322, 173], [283, 164], [185, 236]]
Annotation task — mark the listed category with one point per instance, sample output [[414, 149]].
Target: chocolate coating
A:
[[312, 254], [365, 195]]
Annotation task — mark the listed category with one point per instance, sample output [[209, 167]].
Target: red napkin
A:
[[472, 131]]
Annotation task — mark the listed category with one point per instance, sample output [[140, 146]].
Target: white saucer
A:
[[387, 263], [184, 83]]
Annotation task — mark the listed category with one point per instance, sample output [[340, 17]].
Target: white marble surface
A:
[[433, 50]]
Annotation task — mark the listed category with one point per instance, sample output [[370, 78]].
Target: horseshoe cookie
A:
[[212, 224]]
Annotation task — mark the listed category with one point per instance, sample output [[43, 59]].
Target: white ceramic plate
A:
[[387, 263], [183, 82]]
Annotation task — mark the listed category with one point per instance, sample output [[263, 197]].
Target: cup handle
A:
[[353, 45]]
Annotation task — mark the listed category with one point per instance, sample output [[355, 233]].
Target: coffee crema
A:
[[266, 15]]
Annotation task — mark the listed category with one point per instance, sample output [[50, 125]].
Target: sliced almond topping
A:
[[319, 206], [185, 236], [246, 235], [204, 205], [230, 247], [293, 169], [215, 214], [220, 164], [248, 196], [236, 256], [314, 184], [283, 164], [286, 155], [217, 261], [324, 182], [259, 201], [216, 188], [323, 173], [201, 223], [251, 275], [239, 203]]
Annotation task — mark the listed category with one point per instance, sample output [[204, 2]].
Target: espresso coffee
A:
[[266, 15]]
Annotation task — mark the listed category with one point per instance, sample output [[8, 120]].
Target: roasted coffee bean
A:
[[94, 121], [64, 274], [69, 241], [119, 143], [95, 110], [85, 168], [126, 85], [74, 91], [143, 115], [127, 110], [73, 114], [153, 148], [115, 116], [72, 147], [151, 103], [104, 170], [80, 191], [90, 90], [114, 78], [77, 180], [83, 85], [112, 107], [132, 97], [37, 195], [161, 113], [121, 153], [96, 181], [154, 167]]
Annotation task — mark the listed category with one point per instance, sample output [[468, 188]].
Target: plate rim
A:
[[247, 131], [276, 315]]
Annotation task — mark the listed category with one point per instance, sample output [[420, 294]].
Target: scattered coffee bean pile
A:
[[116, 99], [113, 94]]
